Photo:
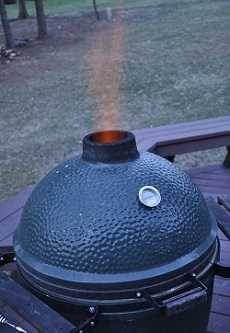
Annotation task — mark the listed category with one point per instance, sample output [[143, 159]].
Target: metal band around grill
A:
[[122, 300]]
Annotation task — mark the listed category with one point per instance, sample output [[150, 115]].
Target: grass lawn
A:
[[74, 7], [172, 60]]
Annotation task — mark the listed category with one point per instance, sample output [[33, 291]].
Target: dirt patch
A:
[[63, 32]]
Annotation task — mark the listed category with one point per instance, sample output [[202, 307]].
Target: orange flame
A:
[[105, 60], [107, 136]]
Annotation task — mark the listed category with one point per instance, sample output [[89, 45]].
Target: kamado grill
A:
[[124, 241]]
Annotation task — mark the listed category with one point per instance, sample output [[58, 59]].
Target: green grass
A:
[[73, 7]]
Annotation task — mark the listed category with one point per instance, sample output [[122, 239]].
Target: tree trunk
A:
[[6, 26], [41, 19], [96, 10], [22, 14]]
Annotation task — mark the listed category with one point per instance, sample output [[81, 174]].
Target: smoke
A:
[[105, 60]]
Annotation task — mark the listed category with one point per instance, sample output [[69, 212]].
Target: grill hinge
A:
[[89, 322], [151, 301], [7, 255]]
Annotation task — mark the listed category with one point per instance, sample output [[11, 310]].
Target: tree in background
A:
[[41, 19], [40, 15], [6, 26], [22, 13]]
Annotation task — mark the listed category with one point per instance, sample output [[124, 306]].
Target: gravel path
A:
[[170, 61]]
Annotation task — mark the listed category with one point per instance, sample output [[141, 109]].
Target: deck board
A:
[[13, 204], [7, 241], [213, 179], [187, 137], [9, 224], [221, 304], [222, 287], [219, 323], [221, 235]]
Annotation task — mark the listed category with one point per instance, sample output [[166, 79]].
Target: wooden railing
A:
[[171, 140]]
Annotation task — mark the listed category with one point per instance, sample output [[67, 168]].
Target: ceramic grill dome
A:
[[84, 219], [85, 224]]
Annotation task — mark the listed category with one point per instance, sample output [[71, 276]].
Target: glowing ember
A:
[[108, 136]]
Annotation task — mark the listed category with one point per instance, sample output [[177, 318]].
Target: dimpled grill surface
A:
[[87, 217]]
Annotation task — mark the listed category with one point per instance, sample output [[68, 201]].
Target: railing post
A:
[[227, 158], [170, 158]]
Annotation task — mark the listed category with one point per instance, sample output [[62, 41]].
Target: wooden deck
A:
[[213, 181]]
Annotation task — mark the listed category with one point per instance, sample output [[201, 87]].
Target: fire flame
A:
[[105, 60], [108, 136]]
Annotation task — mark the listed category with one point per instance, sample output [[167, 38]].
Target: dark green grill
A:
[[84, 231]]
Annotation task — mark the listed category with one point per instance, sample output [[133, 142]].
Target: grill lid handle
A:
[[221, 270], [186, 301]]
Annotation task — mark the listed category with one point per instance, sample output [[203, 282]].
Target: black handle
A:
[[185, 301], [220, 270]]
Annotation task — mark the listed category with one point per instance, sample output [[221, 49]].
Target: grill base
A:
[[180, 308]]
